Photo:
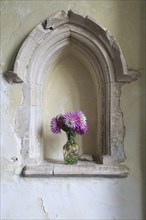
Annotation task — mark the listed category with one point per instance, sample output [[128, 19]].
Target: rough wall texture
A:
[[74, 198]]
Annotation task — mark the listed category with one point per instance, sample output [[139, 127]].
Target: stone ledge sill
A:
[[79, 169]]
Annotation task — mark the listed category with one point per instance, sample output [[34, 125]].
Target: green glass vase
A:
[[71, 149]]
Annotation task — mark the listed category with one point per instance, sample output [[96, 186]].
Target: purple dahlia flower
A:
[[82, 130], [81, 119], [81, 123], [55, 126], [70, 120]]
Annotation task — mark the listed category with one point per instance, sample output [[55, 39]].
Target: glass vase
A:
[[71, 149]]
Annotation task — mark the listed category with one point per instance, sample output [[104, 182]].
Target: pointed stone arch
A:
[[97, 45]]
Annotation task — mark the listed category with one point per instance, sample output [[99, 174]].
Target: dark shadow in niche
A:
[[51, 141], [72, 88]]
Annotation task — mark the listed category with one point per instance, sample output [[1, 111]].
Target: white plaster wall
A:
[[74, 198]]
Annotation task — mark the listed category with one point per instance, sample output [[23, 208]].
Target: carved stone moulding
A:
[[69, 29]]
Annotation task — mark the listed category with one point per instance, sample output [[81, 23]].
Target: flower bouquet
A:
[[72, 123]]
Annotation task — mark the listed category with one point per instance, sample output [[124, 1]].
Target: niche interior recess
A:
[[86, 67]]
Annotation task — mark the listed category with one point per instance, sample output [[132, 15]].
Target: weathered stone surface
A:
[[135, 74], [22, 121], [117, 128], [56, 20], [38, 170], [86, 157], [12, 77], [113, 160], [32, 94], [116, 89], [115, 105], [117, 146], [69, 29], [80, 169]]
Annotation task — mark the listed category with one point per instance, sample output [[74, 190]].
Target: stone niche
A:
[[67, 63]]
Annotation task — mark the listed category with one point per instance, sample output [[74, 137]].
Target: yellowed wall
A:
[[71, 198], [70, 85]]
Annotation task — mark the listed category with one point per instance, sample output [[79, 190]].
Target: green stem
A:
[[71, 136]]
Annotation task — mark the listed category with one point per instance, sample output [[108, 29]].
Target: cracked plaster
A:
[[44, 209], [88, 198]]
